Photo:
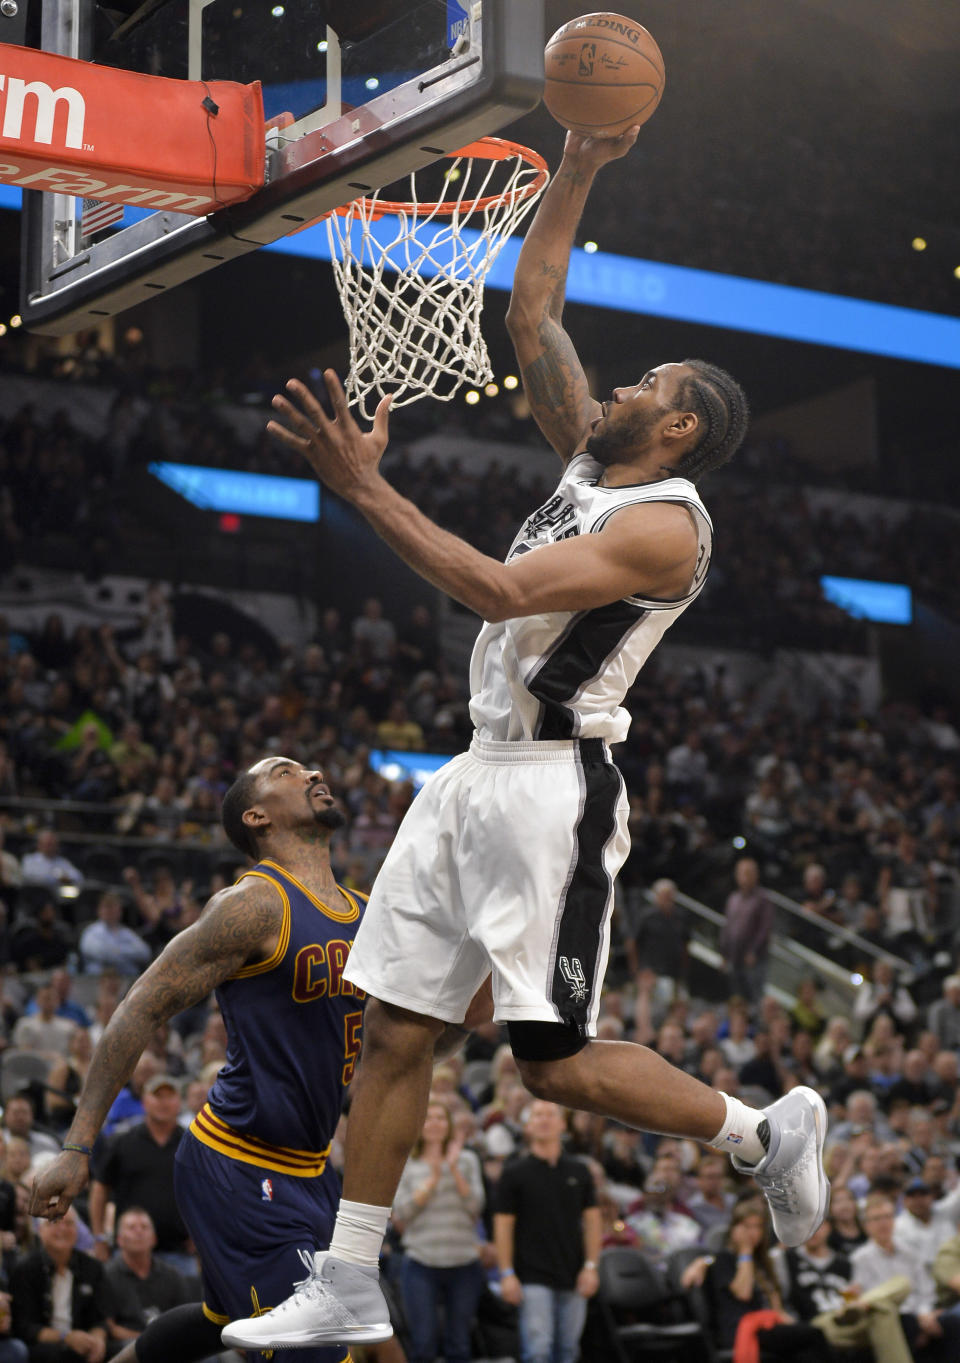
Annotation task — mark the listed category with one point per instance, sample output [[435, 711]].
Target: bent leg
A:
[[632, 1084]]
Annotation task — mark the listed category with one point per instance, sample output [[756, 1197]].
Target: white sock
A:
[[739, 1134], [358, 1233]]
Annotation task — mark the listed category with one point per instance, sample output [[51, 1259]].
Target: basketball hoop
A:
[[411, 274]]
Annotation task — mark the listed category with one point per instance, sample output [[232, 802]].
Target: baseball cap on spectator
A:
[[161, 1081], [917, 1185]]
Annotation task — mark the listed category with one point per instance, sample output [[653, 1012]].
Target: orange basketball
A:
[[604, 73]]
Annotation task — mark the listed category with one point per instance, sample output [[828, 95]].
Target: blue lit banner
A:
[[244, 494], [395, 765], [628, 284], [889, 603]]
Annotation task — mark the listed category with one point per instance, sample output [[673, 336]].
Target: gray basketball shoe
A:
[[337, 1303], [791, 1172]]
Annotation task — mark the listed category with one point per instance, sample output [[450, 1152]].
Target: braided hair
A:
[[239, 798], [721, 407]]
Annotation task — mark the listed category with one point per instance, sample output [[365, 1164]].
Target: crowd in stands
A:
[[772, 547]]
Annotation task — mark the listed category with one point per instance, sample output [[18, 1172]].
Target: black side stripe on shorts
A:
[[576, 956], [580, 654]]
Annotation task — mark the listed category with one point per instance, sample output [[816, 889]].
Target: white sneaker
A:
[[337, 1303], [791, 1174]]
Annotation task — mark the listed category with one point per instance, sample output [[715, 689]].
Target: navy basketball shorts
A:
[[247, 1224]]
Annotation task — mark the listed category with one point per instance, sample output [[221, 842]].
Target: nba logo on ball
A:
[[266, 1191]]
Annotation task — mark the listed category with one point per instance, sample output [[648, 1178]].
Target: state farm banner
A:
[[70, 127]]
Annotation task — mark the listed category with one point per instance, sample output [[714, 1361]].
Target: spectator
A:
[[11, 875], [846, 1232], [62, 982], [43, 1031], [399, 731], [913, 1085], [136, 1170], [923, 1225], [18, 1120], [141, 1286], [67, 1078], [45, 865], [660, 1221], [438, 1203], [933, 1336], [883, 994], [374, 636], [547, 1231], [60, 1298], [742, 1279], [946, 1273], [862, 1115], [713, 1202], [737, 1046], [660, 943], [42, 942], [816, 1282], [943, 1018], [745, 935], [107, 944]]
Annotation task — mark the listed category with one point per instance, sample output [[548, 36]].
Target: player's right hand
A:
[[593, 152], [59, 1184]]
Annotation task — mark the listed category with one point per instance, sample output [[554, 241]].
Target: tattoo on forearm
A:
[[576, 177], [552, 271], [556, 386]]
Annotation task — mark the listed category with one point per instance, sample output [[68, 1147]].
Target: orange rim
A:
[[486, 149]]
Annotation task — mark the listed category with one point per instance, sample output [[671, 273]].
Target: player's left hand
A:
[[342, 456], [59, 1184]]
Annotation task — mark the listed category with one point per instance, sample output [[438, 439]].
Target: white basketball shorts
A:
[[504, 865]]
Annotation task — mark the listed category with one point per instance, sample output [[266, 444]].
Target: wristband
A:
[[591, 1264], [744, 1258], [507, 1273], [101, 1239], [80, 1149]]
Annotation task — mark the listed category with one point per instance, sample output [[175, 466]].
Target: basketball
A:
[[604, 74]]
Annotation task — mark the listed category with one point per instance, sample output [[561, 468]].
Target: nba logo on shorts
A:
[[266, 1191]]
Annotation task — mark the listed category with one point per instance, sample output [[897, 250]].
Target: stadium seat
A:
[[644, 1317], [20, 1068]]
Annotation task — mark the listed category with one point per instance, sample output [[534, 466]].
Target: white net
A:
[[411, 276]]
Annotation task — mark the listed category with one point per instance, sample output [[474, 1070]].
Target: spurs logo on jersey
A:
[[571, 969], [564, 674], [555, 520]]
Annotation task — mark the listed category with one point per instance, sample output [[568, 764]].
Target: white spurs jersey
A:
[[564, 674]]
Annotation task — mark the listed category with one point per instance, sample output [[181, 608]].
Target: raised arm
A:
[[553, 377], [240, 925]]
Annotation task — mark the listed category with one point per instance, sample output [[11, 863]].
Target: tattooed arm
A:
[[553, 377], [240, 925]]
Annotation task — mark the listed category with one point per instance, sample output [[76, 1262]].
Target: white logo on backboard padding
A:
[[16, 117], [572, 971]]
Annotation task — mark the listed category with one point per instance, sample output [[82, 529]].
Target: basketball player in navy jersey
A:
[[506, 860], [252, 1180]]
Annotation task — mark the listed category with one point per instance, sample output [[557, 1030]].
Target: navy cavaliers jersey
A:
[[564, 674], [293, 1038]]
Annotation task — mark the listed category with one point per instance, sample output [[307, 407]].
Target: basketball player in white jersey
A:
[[505, 863]]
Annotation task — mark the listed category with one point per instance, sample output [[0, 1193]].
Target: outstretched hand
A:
[[597, 151], [342, 456]]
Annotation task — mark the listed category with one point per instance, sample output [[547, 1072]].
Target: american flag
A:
[[96, 215]]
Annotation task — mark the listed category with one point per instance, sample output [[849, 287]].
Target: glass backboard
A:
[[414, 80]]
